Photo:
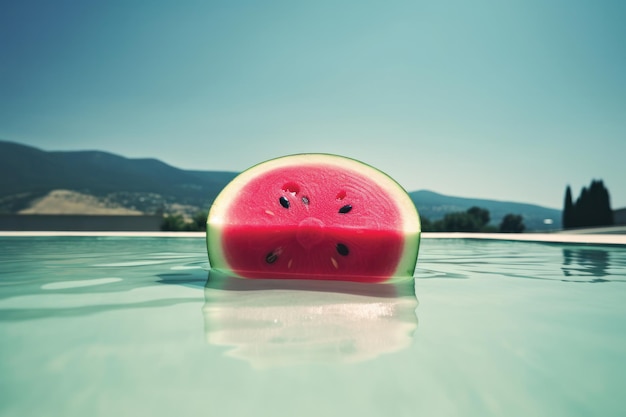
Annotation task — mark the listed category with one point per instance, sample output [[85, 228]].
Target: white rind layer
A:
[[411, 227]]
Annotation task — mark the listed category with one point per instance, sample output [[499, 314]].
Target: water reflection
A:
[[281, 322], [585, 262]]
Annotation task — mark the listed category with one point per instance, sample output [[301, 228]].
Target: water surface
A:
[[106, 326]]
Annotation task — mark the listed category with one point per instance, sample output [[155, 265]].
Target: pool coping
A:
[[606, 239], [603, 239]]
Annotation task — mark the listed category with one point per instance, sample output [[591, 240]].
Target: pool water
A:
[[129, 326]]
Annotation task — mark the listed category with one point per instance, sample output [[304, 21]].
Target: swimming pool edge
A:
[[606, 239]]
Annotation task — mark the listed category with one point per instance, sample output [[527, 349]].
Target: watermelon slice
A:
[[314, 216]]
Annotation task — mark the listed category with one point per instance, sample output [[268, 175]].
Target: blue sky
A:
[[508, 100]]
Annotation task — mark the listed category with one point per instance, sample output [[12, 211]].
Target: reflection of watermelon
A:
[[314, 216]]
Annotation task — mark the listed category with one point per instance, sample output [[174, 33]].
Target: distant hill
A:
[[434, 206], [149, 185]]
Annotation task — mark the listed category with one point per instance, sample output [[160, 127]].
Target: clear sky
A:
[[508, 100]]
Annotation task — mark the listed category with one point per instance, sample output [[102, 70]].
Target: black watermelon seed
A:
[[271, 257], [345, 209], [342, 249], [305, 200], [284, 202]]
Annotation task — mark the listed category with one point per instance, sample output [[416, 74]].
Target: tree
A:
[[512, 223], [198, 223], [591, 209], [177, 223], [601, 214], [460, 222], [568, 209], [481, 216], [173, 223], [427, 225], [474, 219], [583, 209]]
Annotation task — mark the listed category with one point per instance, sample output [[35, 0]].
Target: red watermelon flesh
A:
[[311, 220]]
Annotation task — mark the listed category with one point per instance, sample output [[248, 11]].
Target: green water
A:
[[129, 327]]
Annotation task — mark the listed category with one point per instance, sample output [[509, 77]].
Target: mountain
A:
[[149, 185], [434, 206]]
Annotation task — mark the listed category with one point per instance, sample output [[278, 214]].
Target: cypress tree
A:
[[603, 214], [568, 209], [591, 209], [583, 209], [595, 201]]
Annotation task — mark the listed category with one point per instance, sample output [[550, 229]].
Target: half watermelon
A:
[[314, 216]]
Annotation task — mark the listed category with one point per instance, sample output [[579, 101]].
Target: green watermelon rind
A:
[[408, 211]]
